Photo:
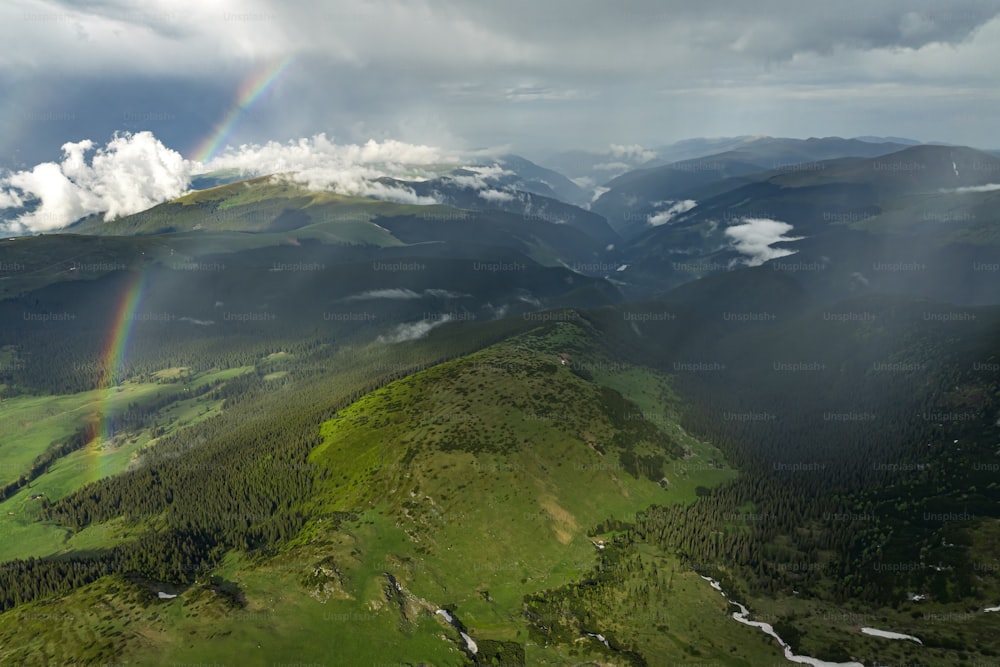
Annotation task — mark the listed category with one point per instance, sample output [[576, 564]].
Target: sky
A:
[[454, 76]]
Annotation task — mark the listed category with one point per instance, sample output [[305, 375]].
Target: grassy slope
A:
[[474, 531], [480, 531], [39, 420], [263, 205]]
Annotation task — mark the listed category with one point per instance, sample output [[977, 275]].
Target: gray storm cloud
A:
[[530, 71], [182, 34], [753, 237]]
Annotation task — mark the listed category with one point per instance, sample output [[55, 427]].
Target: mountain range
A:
[[515, 415]]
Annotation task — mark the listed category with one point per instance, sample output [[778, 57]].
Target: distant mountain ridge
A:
[[600, 167], [631, 199], [932, 209]]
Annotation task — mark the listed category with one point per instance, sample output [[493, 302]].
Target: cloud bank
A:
[[317, 163], [132, 173]]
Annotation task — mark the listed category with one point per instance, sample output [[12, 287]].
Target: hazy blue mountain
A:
[[536, 179], [931, 208]]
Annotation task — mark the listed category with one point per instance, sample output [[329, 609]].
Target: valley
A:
[[274, 422]]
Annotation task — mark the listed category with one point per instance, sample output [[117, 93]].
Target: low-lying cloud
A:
[[445, 294], [989, 187], [316, 163], [598, 193], [480, 176], [414, 330], [383, 294], [491, 195], [402, 294], [675, 209], [753, 237]]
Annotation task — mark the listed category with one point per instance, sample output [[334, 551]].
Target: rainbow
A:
[[251, 90], [112, 360]]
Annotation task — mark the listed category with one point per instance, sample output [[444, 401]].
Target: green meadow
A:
[[38, 421]]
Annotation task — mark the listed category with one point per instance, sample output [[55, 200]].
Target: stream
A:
[[469, 643], [742, 617]]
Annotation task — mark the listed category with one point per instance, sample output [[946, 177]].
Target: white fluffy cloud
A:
[[319, 151], [753, 237], [134, 172], [675, 209], [131, 173]]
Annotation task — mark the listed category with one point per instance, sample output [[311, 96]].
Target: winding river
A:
[[742, 617]]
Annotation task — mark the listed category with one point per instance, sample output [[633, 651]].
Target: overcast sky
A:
[[537, 75]]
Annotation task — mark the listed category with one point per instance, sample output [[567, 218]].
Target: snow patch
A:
[[886, 634]]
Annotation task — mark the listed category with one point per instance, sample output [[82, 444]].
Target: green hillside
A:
[[508, 446], [261, 204]]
